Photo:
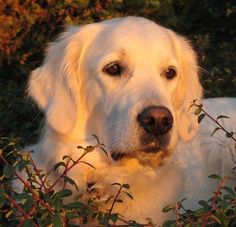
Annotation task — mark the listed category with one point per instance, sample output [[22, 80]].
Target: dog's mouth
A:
[[144, 151]]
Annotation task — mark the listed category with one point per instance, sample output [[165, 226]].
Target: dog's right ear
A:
[[189, 88], [54, 86]]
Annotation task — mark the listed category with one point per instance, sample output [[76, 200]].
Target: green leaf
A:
[[116, 184], [222, 116], [56, 166], [150, 221], [58, 203], [168, 208], [22, 164], [56, 220], [190, 107], [222, 218], [63, 193], [114, 217], [70, 181], [96, 138], [128, 194], [8, 171], [65, 157], [205, 205], [2, 191], [47, 197], [189, 225], [28, 223], [71, 215], [216, 219], [229, 190], [228, 197], [224, 205], [28, 203], [88, 164], [109, 198], [2, 198], [89, 149], [215, 130], [200, 118], [215, 176], [102, 218], [229, 134], [23, 196], [199, 212], [169, 223], [2, 203], [104, 150], [80, 147], [119, 201], [74, 205]]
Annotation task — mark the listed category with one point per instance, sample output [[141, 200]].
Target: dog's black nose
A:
[[156, 120]]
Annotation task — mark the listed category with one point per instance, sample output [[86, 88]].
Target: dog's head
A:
[[127, 80]]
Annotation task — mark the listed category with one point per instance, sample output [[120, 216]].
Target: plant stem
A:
[[14, 203], [217, 122], [36, 197], [113, 204]]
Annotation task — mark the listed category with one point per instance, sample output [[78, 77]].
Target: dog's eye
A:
[[113, 69], [170, 73]]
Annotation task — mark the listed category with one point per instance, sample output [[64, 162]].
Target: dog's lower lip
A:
[[152, 149], [117, 156]]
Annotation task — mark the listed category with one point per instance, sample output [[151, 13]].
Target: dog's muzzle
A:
[[156, 123]]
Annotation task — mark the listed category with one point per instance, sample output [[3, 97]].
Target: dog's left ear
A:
[[54, 85], [188, 89]]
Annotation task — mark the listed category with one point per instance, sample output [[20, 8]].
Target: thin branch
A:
[[177, 207], [206, 216], [113, 204], [39, 175], [14, 203], [25, 218], [67, 169], [36, 197], [217, 122]]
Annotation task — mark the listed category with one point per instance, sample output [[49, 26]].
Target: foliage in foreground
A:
[[44, 202], [220, 210]]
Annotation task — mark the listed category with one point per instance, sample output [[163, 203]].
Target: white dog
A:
[[130, 82]]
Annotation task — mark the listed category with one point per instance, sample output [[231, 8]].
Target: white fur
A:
[[79, 100]]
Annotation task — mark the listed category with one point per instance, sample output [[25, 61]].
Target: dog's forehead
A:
[[132, 29], [132, 25], [132, 35]]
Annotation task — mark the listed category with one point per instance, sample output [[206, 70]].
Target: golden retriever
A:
[[130, 82]]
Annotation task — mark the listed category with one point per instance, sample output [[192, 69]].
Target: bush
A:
[[42, 201]]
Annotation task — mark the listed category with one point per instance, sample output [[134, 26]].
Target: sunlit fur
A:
[[79, 99]]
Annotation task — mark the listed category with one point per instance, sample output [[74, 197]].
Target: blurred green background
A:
[[27, 26]]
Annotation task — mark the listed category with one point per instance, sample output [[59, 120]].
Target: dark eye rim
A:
[[170, 72], [116, 72]]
